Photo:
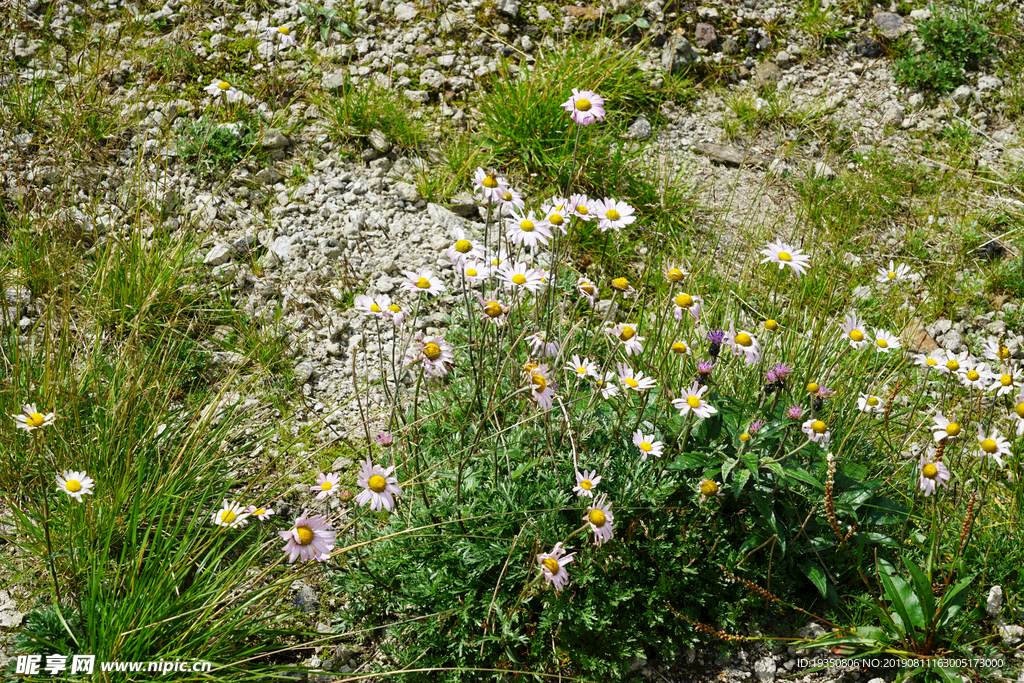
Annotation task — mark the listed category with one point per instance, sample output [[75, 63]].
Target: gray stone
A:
[[220, 254], [764, 669], [431, 79], [640, 129], [407, 192], [889, 24], [987, 83], [228, 359], [268, 176], [303, 371], [508, 8], [10, 617], [1011, 634], [704, 35], [405, 12], [543, 14], [334, 83], [465, 205], [812, 631], [862, 293], [962, 94], [281, 246], [379, 141], [275, 139], [994, 604], [677, 54], [952, 341], [767, 74], [18, 295], [445, 218], [417, 96], [822, 171], [940, 327], [892, 113], [305, 599], [783, 59], [730, 46]]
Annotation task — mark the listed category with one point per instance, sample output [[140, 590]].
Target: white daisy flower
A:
[[511, 199], [552, 565], [885, 342], [231, 515], [694, 403], [635, 380], [944, 429], [743, 344], [373, 305], [464, 250], [631, 341], [1006, 382], [895, 273], [260, 513], [326, 484], [786, 255], [223, 90], [75, 484], [680, 348], [869, 403], [817, 431], [541, 346], [685, 303], [996, 352], [489, 184], [557, 214], [855, 331], [282, 34], [423, 281], [933, 474], [30, 418], [527, 230], [605, 386], [599, 516], [520, 276], [587, 289], [928, 362], [647, 445], [582, 367], [992, 446], [975, 375], [613, 214], [585, 483], [379, 487]]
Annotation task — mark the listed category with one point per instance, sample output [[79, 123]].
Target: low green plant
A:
[[953, 42], [327, 19], [357, 109], [214, 149]]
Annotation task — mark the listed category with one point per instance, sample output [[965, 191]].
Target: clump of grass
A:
[[214, 149], [358, 109]]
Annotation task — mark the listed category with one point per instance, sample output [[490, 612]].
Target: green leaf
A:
[[923, 589], [728, 467], [621, 18], [817, 577], [343, 27], [899, 592], [796, 473], [739, 481], [953, 601], [524, 468], [642, 23]]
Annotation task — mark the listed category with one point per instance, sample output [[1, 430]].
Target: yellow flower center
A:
[[684, 301], [519, 279], [586, 484], [679, 347], [743, 339], [620, 283], [785, 256], [582, 210], [305, 535], [1003, 353], [872, 401], [708, 487], [375, 308], [34, 420], [989, 446], [506, 195], [931, 361], [588, 288], [376, 483], [73, 485], [471, 272], [224, 85], [631, 382], [771, 325], [812, 388], [856, 335], [952, 429], [556, 219], [627, 333], [612, 215], [583, 105], [551, 565], [882, 343], [1006, 380], [930, 471], [597, 518], [423, 283], [744, 437], [526, 226], [973, 375], [226, 516], [395, 308], [693, 401], [489, 182], [646, 446], [284, 30], [952, 365], [1019, 409], [819, 427], [326, 486], [259, 511], [493, 309], [539, 382], [462, 246], [432, 351], [892, 275], [675, 275]]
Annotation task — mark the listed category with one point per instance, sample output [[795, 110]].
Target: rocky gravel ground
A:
[[291, 252]]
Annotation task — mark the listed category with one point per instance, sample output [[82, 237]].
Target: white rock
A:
[[407, 192], [219, 254], [10, 617], [764, 669], [405, 12], [823, 170], [988, 83], [994, 604], [543, 14], [445, 218]]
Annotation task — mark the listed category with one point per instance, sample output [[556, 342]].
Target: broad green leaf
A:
[[739, 481], [620, 18], [953, 601], [900, 594], [923, 590], [643, 23], [817, 577], [727, 468]]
